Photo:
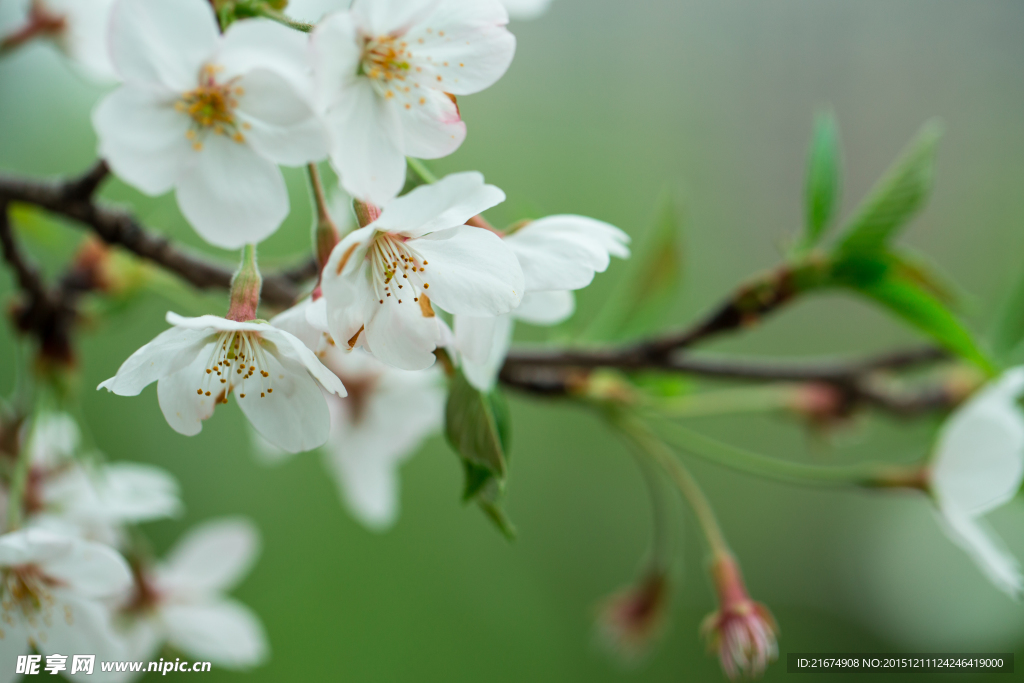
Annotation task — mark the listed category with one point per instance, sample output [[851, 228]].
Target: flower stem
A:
[[868, 474], [245, 287], [726, 402], [661, 454], [325, 233], [270, 13], [421, 170]]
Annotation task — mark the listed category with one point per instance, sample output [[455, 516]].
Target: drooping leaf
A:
[[895, 199], [651, 281], [822, 189], [1009, 328], [882, 278]]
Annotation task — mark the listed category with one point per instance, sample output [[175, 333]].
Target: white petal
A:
[[336, 48], [448, 203], [366, 147], [262, 44], [183, 406], [90, 570], [224, 632], [86, 37], [979, 462], [267, 453], [232, 196], [214, 323], [293, 349], [545, 307], [365, 448], [484, 343], [564, 252], [470, 271], [133, 492], [346, 285], [526, 9], [294, 416], [312, 11], [81, 627], [295, 321], [1001, 568], [399, 334], [212, 557], [168, 353], [468, 46], [142, 137], [54, 439], [431, 125], [381, 17], [281, 126], [13, 644], [162, 42]]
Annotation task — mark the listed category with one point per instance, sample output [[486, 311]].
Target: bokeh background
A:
[[607, 104]]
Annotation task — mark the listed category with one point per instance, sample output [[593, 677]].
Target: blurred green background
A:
[[606, 105]]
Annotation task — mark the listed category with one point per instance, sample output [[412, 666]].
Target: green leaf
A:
[[883, 278], [823, 178], [895, 199], [471, 426], [651, 282], [1009, 327]]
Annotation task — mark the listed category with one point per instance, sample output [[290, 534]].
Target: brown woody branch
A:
[[74, 199]]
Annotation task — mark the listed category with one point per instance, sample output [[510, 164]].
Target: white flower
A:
[[181, 601], [978, 466], [78, 28], [77, 496], [51, 588], [209, 115], [558, 254], [379, 277], [200, 361], [387, 72]]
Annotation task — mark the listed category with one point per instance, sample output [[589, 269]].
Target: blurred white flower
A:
[[211, 116], [378, 278], [558, 254], [68, 492], [51, 588], [388, 72], [978, 466], [180, 601], [526, 9], [78, 28], [314, 10], [200, 361]]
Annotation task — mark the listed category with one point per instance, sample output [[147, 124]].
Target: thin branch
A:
[[73, 199]]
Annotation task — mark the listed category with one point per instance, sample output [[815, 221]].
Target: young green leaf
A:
[[651, 281], [823, 178], [471, 425], [883, 278], [900, 193]]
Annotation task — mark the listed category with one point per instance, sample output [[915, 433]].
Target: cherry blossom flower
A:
[[68, 493], [51, 588], [558, 254], [209, 115], [388, 72], [382, 278], [78, 28], [741, 631], [180, 601], [978, 466], [199, 362], [631, 620]]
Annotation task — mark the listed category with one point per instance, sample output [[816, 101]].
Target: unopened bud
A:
[[630, 621], [366, 213], [741, 631], [245, 288]]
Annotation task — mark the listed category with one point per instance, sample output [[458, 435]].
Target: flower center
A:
[[25, 588], [385, 59], [237, 358], [212, 108], [396, 266]]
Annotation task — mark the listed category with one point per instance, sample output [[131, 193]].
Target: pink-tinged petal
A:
[[383, 17], [399, 334], [366, 144], [467, 44], [470, 272], [294, 416], [448, 203], [142, 137], [224, 632], [564, 252], [211, 558], [431, 125], [183, 406], [162, 42], [168, 353], [232, 196], [279, 124], [545, 307]]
